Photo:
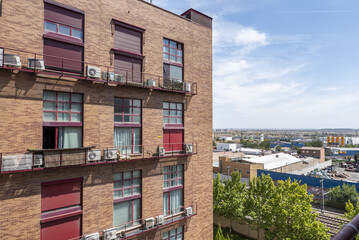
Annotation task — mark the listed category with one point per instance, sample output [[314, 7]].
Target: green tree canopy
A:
[[283, 210], [265, 145], [351, 212], [338, 196]]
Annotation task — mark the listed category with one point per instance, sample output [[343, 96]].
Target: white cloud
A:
[[248, 36]]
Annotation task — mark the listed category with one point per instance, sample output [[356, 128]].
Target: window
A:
[[172, 113], [172, 189], [127, 110], [62, 120], [172, 61], [127, 199], [173, 126], [173, 176], [127, 116], [62, 29], [63, 38], [174, 234], [172, 51], [128, 51], [61, 209]]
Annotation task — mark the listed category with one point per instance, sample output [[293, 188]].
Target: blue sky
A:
[[282, 63]]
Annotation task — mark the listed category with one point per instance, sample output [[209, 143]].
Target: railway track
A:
[[333, 223]]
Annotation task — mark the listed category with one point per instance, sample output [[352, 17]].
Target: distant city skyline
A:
[[282, 64]]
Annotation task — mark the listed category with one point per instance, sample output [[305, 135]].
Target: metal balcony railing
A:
[[38, 159], [134, 228], [20, 60]]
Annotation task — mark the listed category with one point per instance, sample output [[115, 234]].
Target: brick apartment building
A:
[[106, 121]]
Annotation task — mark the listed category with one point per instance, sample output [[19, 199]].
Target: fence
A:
[[310, 181]]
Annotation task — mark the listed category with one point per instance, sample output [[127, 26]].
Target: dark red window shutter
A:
[[59, 195], [166, 140], [63, 56], [173, 139], [129, 67], [63, 16], [177, 139], [128, 40], [66, 228]]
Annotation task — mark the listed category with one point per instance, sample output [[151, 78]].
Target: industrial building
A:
[[279, 162], [314, 152], [106, 112]]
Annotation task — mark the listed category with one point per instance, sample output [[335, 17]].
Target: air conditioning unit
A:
[[16, 162], [189, 148], [161, 151], [109, 154], [93, 236], [1, 57], [149, 222], [93, 155], [188, 211], [109, 234], [151, 83], [12, 60], [34, 63], [119, 78], [93, 72], [160, 220], [108, 76], [122, 234], [38, 160], [187, 87]]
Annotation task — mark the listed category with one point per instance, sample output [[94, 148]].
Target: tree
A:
[[214, 143], [292, 216], [278, 148], [356, 157], [219, 234], [317, 143], [339, 195], [260, 193], [229, 198], [283, 210], [265, 144], [351, 212]]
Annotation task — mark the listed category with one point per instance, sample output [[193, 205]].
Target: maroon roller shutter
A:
[[63, 56], [66, 228], [173, 139], [128, 40], [129, 67], [59, 195], [64, 16]]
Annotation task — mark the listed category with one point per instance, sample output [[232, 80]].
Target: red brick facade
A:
[[21, 116]]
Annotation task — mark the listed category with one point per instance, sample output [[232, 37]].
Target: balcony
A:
[[39, 64], [132, 229], [40, 159]]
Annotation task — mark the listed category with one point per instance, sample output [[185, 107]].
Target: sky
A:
[[282, 63]]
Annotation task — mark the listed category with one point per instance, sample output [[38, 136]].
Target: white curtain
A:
[[165, 204], [136, 211], [176, 200], [71, 137], [136, 140], [123, 139], [60, 140], [122, 214]]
